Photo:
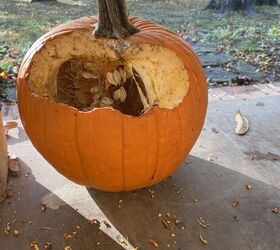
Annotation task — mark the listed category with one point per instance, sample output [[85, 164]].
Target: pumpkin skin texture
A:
[[104, 148]]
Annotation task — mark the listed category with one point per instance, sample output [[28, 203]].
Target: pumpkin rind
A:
[[104, 148]]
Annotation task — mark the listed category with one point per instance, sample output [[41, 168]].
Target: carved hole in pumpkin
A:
[[70, 69], [86, 85]]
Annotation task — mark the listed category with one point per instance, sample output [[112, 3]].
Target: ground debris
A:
[[67, 248], [212, 157], [180, 191], [214, 130], [153, 243], [202, 222], [235, 217], [248, 187], [275, 210], [242, 124], [14, 169], [16, 233], [67, 236], [48, 245], [235, 203], [9, 125], [256, 155], [43, 207], [202, 239], [34, 245], [7, 229]]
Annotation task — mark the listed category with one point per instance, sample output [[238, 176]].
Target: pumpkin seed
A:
[[123, 94], [106, 101], [117, 95], [110, 78], [88, 75], [123, 74], [117, 76], [95, 89]]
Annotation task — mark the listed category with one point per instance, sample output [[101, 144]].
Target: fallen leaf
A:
[[67, 248], [43, 208], [13, 166], [67, 236], [203, 239], [235, 218], [16, 233], [48, 245], [214, 130], [165, 224], [9, 125], [180, 191], [242, 124], [34, 245], [212, 157], [248, 187], [7, 229], [201, 222], [275, 210], [154, 243], [235, 203]]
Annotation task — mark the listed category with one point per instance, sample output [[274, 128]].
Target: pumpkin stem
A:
[[113, 20]]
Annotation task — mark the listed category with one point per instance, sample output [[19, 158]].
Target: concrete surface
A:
[[207, 186]]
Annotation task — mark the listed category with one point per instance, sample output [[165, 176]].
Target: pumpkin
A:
[[116, 110]]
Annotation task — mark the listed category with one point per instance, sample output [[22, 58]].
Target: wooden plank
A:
[[3, 161]]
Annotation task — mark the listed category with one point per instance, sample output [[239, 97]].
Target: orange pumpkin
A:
[[103, 147]]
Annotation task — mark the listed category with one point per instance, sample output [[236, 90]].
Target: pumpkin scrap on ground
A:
[[115, 110]]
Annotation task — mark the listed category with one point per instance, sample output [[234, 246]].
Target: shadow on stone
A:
[[198, 189], [25, 206]]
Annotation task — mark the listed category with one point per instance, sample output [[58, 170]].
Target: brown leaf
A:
[[154, 243], [13, 166], [248, 187], [235, 203], [67, 236], [48, 245], [275, 210], [67, 248], [203, 239], [9, 125], [34, 245]]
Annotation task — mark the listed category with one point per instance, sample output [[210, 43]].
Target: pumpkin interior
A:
[[85, 73]]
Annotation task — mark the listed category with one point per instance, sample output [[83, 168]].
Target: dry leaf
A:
[[154, 243], [248, 187], [48, 245], [13, 166], [203, 239], [10, 125], [235, 203], [212, 157], [201, 222], [242, 124], [180, 191], [275, 210], [43, 208], [117, 76], [110, 78], [67, 248], [7, 229], [67, 236], [34, 245], [16, 233]]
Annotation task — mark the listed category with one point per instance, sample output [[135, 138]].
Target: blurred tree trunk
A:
[[246, 6]]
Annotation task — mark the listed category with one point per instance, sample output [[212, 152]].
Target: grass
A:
[[254, 38]]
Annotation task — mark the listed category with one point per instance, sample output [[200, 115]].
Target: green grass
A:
[[257, 36]]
